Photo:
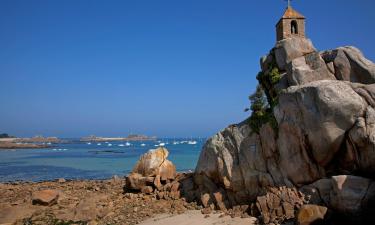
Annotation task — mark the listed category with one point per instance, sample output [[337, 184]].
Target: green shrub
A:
[[264, 99]]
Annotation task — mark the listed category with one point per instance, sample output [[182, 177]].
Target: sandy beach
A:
[[196, 217]]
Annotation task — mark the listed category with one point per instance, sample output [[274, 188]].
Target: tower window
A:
[[294, 27]]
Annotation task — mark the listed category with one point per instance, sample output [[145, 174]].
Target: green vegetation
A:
[[268, 80], [264, 99], [261, 112]]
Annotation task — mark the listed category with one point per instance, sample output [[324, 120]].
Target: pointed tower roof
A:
[[290, 13]]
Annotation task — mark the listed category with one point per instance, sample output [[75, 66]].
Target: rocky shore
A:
[[153, 188], [81, 202]]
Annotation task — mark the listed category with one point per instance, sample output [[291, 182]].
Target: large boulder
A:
[[291, 48], [312, 126], [234, 159], [155, 162], [308, 68], [348, 193], [349, 64], [151, 170]]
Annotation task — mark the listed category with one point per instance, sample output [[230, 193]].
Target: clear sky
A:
[[159, 67]]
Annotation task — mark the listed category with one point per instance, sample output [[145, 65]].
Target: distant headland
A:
[[131, 137], [12, 142]]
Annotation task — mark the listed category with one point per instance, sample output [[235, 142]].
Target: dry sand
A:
[[197, 218]]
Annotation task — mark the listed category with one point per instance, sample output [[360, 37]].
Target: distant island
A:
[[131, 137], [12, 142], [5, 135]]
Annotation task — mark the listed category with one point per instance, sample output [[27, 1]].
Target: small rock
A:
[[219, 201], [311, 214], [135, 209], [61, 180], [130, 195], [245, 215], [175, 194], [206, 200], [135, 181], [157, 183], [160, 195], [45, 197], [175, 186], [147, 190], [207, 210], [92, 222], [116, 178]]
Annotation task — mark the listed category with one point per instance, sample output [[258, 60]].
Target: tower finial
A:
[[289, 5]]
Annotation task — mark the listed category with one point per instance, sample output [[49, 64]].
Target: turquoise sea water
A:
[[80, 160]]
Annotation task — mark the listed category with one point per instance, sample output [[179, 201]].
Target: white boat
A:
[[89, 143], [99, 144], [49, 143], [162, 144], [127, 144], [143, 144], [176, 142], [109, 144], [121, 145], [156, 145], [192, 142]]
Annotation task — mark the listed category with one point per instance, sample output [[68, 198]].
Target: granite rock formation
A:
[[325, 117]]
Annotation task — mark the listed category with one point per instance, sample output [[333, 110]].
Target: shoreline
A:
[[82, 180]]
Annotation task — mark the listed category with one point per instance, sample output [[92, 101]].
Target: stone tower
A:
[[292, 23]]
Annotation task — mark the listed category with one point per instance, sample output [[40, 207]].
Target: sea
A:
[[78, 160]]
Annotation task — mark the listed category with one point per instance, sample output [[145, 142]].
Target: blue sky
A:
[[159, 67]]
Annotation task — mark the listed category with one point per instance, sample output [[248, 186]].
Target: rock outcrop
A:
[[279, 204], [325, 115], [155, 174], [151, 170], [154, 163]]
